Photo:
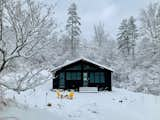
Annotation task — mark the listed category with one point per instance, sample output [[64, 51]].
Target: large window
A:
[[73, 76], [97, 77]]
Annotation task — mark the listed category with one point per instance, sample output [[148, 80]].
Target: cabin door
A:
[[85, 79]]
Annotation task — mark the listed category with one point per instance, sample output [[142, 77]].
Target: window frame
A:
[[97, 75], [73, 75]]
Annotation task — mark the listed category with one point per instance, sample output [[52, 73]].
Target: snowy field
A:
[[116, 105]]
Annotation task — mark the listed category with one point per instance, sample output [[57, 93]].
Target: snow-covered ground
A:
[[116, 105]]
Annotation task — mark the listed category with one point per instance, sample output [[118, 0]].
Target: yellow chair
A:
[[58, 94], [71, 95]]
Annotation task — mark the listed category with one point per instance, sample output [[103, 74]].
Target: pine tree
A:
[[133, 34], [124, 44], [127, 36], [73, 28]]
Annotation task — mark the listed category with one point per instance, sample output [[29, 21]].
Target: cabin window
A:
[[92, 77], [73, 76], [75, 67], [102, 77], [97, 77], [61, 82], [88, 67]]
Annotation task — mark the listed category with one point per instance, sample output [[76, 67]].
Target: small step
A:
[[88, 89]]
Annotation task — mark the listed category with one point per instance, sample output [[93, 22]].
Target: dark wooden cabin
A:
[[82, 72]]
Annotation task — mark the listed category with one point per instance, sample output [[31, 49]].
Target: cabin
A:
[[82, 72]]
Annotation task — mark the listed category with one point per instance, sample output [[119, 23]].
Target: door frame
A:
[[85, 82]]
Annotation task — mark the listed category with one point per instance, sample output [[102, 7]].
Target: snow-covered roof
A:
[[84, 59]]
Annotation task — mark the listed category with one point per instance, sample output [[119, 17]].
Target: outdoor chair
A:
[[58, 94], [71, 95]]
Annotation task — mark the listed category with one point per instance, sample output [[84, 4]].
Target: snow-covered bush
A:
[[22, 81]]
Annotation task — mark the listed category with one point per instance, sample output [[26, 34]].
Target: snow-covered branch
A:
[[24, 81], [28, 28]]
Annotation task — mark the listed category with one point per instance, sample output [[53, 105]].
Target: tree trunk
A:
[[1, 14], [2, 66]]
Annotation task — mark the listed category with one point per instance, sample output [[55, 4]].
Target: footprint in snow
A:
[[93, 111]]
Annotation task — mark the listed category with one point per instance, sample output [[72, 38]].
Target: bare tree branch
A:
[[28, 26], [28, 81]]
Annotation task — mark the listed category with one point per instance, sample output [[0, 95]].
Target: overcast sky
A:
[[109, 12]]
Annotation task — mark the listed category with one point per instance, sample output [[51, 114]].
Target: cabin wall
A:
[[56, 82], [81, 67], [108, 80]]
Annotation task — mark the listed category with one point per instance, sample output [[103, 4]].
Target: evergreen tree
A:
[[127, 36], [133, 34], [73, 28], [124, 44]]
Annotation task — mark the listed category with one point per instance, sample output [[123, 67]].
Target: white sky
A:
[[109, 12]]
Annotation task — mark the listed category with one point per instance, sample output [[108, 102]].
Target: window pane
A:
[[97, 78], [102, 77], [73, 76], [89, 67], [76, 67], [61, 82], [78, 76], [91, 77], [68, 76]]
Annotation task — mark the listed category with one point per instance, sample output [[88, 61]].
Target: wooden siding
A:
[[82, 66]]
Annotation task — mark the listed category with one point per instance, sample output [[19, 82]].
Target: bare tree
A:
[[1, 11], [28, 29], [1, 27], [100, 34], [150, 25]]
